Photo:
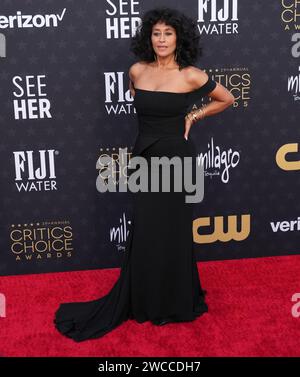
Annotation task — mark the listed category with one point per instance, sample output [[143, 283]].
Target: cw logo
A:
[[219, 234], [281, 157], [2, 46], [2, 305]]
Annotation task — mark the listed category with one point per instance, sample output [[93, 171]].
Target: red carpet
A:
[[249, 304]]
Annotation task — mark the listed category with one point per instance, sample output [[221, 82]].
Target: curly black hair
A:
[[187, 36]]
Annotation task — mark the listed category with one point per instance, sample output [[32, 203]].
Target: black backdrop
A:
[[65, 102]]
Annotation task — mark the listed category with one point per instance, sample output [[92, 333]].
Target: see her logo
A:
[[2, 305], [296, 307]]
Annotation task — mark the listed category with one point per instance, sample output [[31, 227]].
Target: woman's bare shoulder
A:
[[195, 76], [136, 68]]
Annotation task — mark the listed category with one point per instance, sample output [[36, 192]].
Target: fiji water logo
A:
[[35, 170], [218, 17], [118, 99]]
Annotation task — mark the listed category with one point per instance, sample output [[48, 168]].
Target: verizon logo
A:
[[28, 20], [285, 226]]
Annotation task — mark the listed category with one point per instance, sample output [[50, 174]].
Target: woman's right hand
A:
[[188, 125]]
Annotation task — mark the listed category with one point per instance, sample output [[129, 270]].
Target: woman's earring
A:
[[176, 54]]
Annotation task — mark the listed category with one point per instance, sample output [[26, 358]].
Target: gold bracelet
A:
[[188, 116], [201, 111], [194, 114]]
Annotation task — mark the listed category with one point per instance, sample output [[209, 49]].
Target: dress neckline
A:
[[164, 91]]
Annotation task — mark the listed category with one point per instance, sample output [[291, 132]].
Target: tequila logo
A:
[[294, 85], [217, 162], [120, 233]]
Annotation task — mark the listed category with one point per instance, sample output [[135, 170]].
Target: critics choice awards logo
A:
[[237, 80], [290, 14], [40, 241]]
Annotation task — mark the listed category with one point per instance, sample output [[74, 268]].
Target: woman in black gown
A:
[[159, 280]]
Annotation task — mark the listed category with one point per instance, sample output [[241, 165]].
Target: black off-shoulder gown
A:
[[159, 276]]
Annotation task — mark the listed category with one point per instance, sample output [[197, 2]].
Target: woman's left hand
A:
[[188, 125]]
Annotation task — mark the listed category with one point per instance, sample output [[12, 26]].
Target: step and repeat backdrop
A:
[[66, 115]]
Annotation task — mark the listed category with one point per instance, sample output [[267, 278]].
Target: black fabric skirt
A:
[[159, 276]]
